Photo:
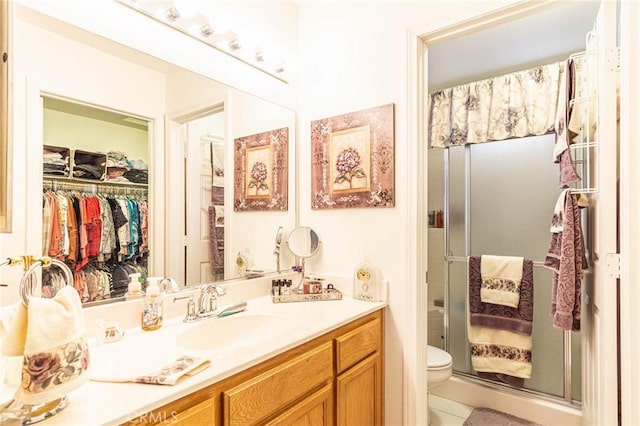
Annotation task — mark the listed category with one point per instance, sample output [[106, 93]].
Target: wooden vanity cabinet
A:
[[359, 375], [335, 379]]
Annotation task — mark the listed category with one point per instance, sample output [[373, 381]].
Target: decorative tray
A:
[[331, 294]]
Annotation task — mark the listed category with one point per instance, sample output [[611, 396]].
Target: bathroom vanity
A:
[[335, 376], [311, 363]]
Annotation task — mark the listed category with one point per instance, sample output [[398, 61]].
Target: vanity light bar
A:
[[199, 28]]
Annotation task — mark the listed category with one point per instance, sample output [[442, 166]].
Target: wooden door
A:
[[202, 148]]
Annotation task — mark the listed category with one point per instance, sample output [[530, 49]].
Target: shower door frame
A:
[[449, 259]]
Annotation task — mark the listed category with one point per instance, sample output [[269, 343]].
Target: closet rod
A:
[[118, 189], [464, 259]]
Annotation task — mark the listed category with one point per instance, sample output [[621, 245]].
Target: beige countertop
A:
[[102, 403]]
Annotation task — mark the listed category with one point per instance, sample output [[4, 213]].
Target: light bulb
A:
[[206, 30], [172, 14], [234, 44]]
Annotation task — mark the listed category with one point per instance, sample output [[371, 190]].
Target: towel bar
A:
[[536, 263], [28, 282]]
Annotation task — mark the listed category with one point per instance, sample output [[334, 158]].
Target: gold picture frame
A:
[[5, 164], [260, 171]]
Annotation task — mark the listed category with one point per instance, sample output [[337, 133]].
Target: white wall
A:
[[353, 55]]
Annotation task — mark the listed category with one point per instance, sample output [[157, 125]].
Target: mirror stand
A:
[[303, 242], [298, 288]]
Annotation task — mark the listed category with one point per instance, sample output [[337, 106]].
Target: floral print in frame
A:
[[352, 160], [260, 171]]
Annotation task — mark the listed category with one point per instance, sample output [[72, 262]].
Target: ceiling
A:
[[541, 38]]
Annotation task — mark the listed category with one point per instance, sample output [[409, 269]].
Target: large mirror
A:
[[191, 126]]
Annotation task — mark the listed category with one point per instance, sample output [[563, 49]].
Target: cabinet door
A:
[[316, 410], [359, 394]]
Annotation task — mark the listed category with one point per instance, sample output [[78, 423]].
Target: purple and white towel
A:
[[500, 336], [566, 258]]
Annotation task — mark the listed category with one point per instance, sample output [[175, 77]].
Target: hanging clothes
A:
[[96, 234]]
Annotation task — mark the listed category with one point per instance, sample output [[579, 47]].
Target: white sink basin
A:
[[220, 332]]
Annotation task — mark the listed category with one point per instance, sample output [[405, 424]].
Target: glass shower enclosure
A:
[[499, 199]]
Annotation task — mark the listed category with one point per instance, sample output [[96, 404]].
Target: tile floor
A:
[[444, 412]]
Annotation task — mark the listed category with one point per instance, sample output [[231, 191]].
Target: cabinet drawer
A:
[[357, 344], [254, 400]]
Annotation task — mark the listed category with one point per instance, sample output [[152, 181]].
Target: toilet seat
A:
[[437, 359]]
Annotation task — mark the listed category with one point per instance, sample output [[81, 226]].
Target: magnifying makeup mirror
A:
[[303, 242]]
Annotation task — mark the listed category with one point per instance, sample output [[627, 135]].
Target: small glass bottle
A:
[[152, 315]]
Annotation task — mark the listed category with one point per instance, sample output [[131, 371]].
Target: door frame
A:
[[176, 221], [629, 212], [418, 40]]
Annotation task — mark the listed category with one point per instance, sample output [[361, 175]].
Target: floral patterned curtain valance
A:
[[523, 103]]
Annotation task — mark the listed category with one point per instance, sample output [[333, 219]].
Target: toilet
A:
[[440, 366]]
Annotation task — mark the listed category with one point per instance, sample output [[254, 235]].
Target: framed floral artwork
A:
[[352, 162], [260, 171]]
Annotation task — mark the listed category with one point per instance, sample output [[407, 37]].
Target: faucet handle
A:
[[191, 308], [219, 291]]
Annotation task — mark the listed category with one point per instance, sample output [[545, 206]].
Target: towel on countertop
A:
[[167, 375], [518, 320], [51, 336], [501, 278], [566, 258]]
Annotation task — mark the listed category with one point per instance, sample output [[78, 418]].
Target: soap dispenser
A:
[[135, 288], [151, 317]]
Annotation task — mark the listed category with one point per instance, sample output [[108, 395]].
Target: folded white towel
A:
[[50, 334], [170, 374], [500, 351], [501, 279]]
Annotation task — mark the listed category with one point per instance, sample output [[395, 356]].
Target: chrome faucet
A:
[[208, 301], [208, 304]]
